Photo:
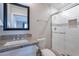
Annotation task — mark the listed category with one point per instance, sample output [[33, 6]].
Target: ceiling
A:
[[59, 6]]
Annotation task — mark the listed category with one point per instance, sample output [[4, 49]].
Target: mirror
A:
[[16, 16]]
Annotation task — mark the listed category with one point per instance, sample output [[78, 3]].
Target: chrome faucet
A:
[[18, 37], [14, 38]]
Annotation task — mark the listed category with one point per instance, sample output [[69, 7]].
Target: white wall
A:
[[39, 16]]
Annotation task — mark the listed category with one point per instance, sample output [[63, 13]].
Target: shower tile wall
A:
[[66, 43]]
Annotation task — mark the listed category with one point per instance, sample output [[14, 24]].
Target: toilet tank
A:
[[42, 43]]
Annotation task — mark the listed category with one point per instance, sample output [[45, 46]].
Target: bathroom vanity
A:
[[15, 18], [19, 48]]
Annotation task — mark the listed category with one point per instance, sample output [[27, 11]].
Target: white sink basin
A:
[[16, 42]]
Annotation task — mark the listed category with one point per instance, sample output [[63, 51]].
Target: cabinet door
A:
[[25, 51]]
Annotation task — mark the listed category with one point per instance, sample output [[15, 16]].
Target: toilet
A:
[[42, 42], [45, 51]]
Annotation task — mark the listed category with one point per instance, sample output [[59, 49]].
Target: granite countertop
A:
[[11, 47]]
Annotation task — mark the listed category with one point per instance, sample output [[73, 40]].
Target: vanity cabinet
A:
[[25, 51]]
